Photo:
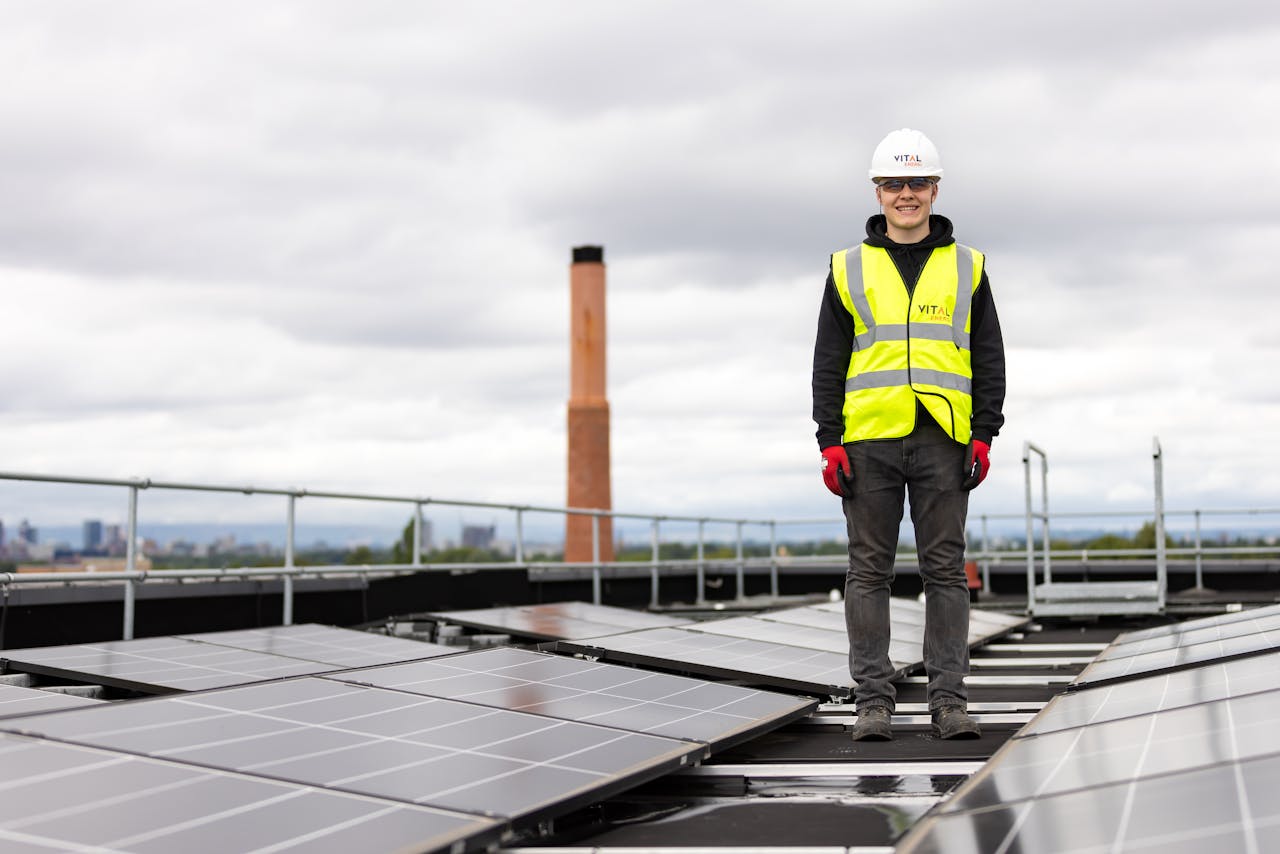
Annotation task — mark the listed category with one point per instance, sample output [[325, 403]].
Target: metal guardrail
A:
[[131, 577]]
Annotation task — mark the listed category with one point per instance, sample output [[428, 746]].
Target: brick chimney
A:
[[588, 407]]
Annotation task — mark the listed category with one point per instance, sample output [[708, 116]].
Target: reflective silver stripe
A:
[[858, 294], [931, 331], [964, 295], [896, 378], [942, 379], [888, 332], [876, 379]]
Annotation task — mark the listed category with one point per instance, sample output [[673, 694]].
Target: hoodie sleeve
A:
[[986, 347], [831, 353]]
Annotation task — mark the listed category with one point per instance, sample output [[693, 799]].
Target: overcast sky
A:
[[326, 244]]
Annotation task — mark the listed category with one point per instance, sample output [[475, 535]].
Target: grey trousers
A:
[[926, 467]]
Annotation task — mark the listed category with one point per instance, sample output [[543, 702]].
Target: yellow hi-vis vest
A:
[[907, 348]]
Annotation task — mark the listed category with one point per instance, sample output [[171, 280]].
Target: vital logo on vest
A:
[[933, 313]]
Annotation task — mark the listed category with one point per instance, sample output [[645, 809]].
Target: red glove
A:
[[977, 464], [837, 473]]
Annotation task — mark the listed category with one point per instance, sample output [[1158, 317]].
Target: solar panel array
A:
[[803, 649], [447, 753], [1187, 760], [218, 659], [558, 620], [377, 742]]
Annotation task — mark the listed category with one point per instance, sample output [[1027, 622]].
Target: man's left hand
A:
[[977, 462]]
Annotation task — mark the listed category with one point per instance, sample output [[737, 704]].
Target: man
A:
[[908, 386]]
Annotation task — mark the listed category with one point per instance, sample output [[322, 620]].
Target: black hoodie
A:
[[834, 343]]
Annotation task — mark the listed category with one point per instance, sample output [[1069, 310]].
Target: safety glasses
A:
[[896, 185]]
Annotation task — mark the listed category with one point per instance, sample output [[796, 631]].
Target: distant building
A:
[[115, 544], [477, 536], [1, 535], [92, 535], [27, 534]]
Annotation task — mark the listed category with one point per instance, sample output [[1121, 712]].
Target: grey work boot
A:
[[954, 722], [872, 724]]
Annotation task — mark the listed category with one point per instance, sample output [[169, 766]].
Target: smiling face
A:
[[906, 210]]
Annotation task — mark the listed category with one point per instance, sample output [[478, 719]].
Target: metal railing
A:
[[1043, 516], [131, 576], [737, 565]]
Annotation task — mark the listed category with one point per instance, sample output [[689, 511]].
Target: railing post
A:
[[416, 556], [595, 560], [1044, 508], [1027, 448], [701, 569], [1199, 568], [131, 563], [653, 570], [741, 569], [519, 535], [773, 558], [287, 617], [986, 556], [1162, 567]]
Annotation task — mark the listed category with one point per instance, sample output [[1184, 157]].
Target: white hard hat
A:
[[903, 154]]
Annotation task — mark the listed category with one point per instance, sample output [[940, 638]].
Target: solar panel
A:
[[606, 614], [1207, 683], [325, 644], [16, 700], [818, 618], [905, 613], [71, 798], [803, 649], [1225, 807], [1192, 625], [1126, 750], [905, 650], [1125, 646], [558, 620], [156, 665], [371, 741], [594, 692], [1102, 672], [816, 672]]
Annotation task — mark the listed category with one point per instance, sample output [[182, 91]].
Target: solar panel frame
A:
[[72, 797], [628, 698], [379, 743]]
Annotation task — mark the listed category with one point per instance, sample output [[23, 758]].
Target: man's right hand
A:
[[837, 473]]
